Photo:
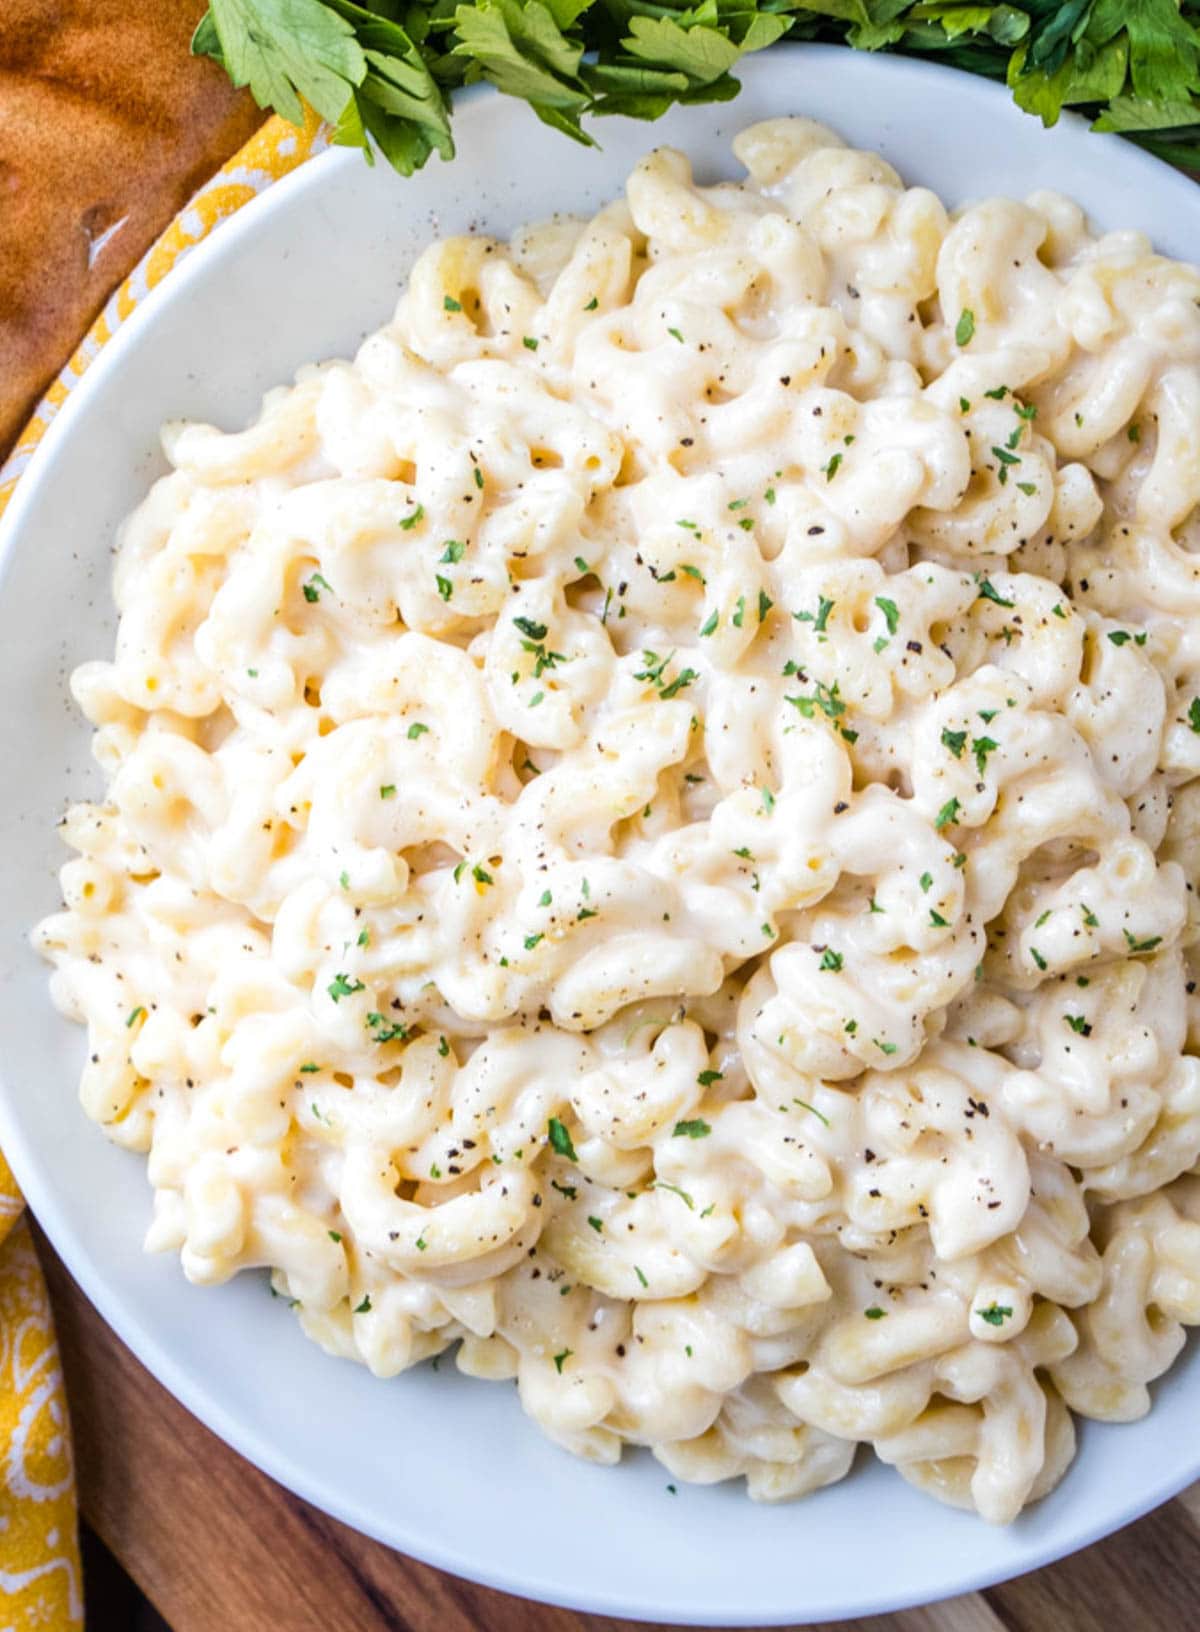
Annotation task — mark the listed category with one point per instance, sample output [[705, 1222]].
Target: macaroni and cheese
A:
[[652, 823]]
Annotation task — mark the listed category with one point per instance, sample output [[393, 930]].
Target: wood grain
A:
[[107, 127], [217, 1545]]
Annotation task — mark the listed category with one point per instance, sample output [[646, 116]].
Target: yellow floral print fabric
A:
[[40, 1584]]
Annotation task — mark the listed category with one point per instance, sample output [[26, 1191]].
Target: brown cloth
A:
[[107, 126]]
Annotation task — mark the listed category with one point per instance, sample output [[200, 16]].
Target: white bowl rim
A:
[[36, 1183]]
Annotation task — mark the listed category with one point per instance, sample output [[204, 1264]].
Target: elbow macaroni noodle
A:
[[652, 824]]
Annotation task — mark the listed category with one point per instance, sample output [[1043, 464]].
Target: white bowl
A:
[[442, 1467]]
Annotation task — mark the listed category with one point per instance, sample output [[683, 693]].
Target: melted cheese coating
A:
[[652, 822]]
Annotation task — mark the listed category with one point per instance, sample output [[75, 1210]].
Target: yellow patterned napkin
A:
[[40, 1584]]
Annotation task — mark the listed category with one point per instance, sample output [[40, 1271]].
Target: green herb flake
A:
[[995, 1314], [696, 1128], [414, 516], [875, 1312], [964, 329], [342, 986], [989, 592], [560, 1140]]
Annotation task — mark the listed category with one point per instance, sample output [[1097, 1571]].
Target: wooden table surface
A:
[[219, 1547]]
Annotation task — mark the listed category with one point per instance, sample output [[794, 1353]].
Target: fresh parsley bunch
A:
[[384, 73]]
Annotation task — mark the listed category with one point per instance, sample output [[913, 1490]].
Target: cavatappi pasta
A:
[[652, 822]]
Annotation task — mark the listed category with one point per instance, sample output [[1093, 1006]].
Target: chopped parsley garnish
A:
[[989, 592], [597, 1224], [566, 1353], [645, 1282], [382, 1032], [661, 1184], [765, 603], [1193, 715], [1079, 1024], [1037, 957], [831, 469], [134, 1016], [560, 1140], [707, 1078], [981, 747], [410, 521], [995, 1314], [535, 631], [926, 883], [739, 612], [947, 814], [875, 1312], [449, 304], [387, 790], [529, 343], [820, 617], [478, 474], [480, 875], [454, 551], [342, 986], [444, 587], [364, 1307], [825, 698], [964, 329], [533, 940], [314, 586], [1135, 946], [675, 335], [890, 611], [831, 960], [805, 1106], [710, 624], [697, 1128]]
